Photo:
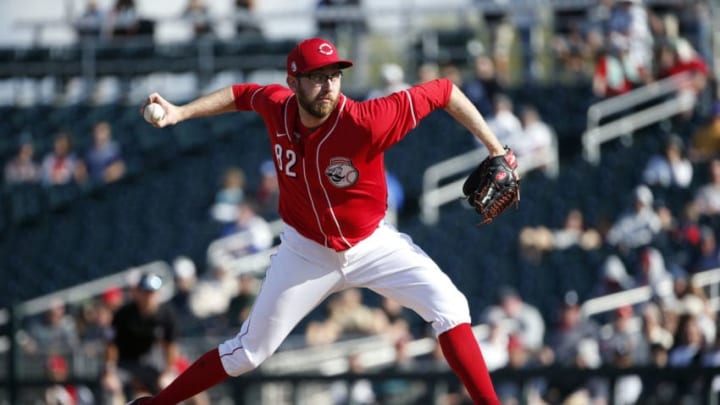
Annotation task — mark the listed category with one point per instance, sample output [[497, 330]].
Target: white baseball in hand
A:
[[153, 113]]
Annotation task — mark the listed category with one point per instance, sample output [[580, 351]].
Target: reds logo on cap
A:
[[326, 49]]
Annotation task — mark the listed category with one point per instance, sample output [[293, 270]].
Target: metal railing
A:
[[709, 280], [671, 98], [96, 287]]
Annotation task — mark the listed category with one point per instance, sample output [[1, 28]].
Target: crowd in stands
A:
[[656, 242], [676, 328], [123, 20], [101, 163]]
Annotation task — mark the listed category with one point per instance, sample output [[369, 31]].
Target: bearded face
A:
[[318, 104], [318, 91]]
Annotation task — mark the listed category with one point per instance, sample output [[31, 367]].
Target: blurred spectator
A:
[[529, 392], [695, 20], [654, 273], [518, 317], [696, 303], [504, 123], [347, 316], [525, 18], [654, 330], [575, 232], [450, 70], [250, 233], [622, 334], [537, 141], [707, 254], [359, 391], [113, 298], [535, 241], [574, 51], [124, 20], [246, 22], [393, 80], [241, 304], [663, 23], [92, 23], [55, 332], [353, 316], [22, 168], [401, 322], [711, 358], [569, 331], [185, 274], [494, 345], [705, 142], [495, 22], [630, 29], [401, 391], [579, 36], [689, 343], [614, 277], [483, 86], [427, 71], [61, 166], [213, 292], [658, 390], [682, 288], [638, 226], [396, 198], [579, 389], [197, 13], [267, 193], [668, 227], [231, 193], [321, 332], [95, 326], [707, 196], [679, 57], [104, 160], [614, 74], [140, 327], [671, 168], [684, 237], [627, 387], [598, 17], [62, 392]]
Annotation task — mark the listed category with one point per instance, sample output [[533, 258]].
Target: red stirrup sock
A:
[[462, 353], [204, 373]]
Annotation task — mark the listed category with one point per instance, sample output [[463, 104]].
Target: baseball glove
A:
[[493, 186]]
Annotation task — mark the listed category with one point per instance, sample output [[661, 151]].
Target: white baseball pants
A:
[[303, 273]]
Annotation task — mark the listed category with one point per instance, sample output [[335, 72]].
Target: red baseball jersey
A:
[[332, 180]]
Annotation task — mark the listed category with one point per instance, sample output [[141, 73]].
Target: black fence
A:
[[427, 385], [140, 55]]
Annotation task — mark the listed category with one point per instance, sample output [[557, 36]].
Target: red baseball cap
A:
[[312, 54]]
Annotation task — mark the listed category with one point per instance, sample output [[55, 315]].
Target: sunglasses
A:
[[319, 79]]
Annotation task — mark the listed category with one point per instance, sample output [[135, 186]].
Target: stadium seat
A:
[[25, 202]]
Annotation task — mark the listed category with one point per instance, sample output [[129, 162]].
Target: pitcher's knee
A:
[[451, 316], [237, 360]]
